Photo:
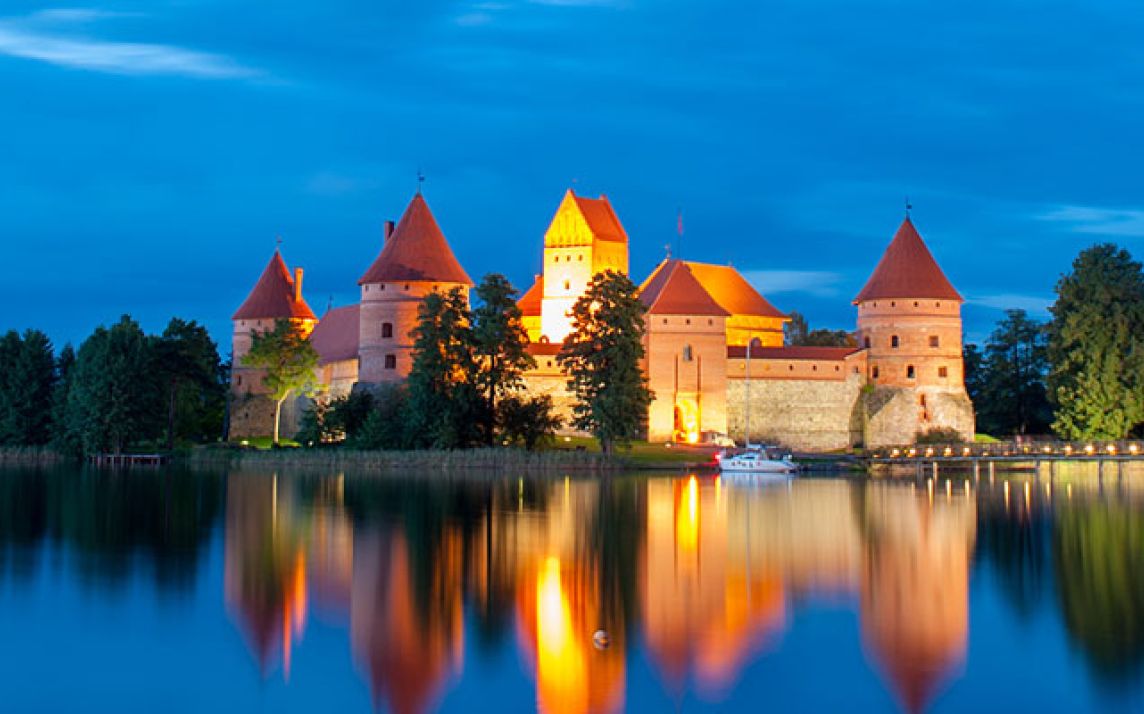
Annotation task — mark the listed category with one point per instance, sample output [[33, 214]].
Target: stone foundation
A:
[[895, 416], [814, 415]]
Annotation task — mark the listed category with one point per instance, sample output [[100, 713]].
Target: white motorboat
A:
[[755, 460]]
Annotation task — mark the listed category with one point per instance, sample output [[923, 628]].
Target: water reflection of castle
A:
[[697, 571]]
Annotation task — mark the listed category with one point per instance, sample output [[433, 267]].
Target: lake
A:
[[178, 591]]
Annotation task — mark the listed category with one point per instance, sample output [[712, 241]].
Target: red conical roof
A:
[[673, 290], [273, 296], [907, 270], [416, 251], [531, 302]]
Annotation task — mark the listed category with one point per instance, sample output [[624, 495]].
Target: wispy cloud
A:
[[813, 282], [1009, 301], [33, 38], [1102, 221]]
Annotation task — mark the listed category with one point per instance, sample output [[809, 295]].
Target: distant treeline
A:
[[1079, 375], [122, 388]]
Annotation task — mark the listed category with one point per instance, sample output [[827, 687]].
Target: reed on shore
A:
[[497, 460], [31, 456]]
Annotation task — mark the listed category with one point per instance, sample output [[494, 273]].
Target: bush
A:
[[940, 436]]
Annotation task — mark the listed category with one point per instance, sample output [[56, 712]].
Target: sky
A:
[[152, 151]]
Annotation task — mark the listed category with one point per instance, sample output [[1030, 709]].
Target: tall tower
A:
[[909, 319], [276, 296], [415, 260], [584, 238]]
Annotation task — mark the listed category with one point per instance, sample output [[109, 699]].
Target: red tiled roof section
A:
[[732, 291], [907, 270], [601, 218], [530, 302], [817, 354], [336, 336], [673, 290], [416, 251], [544, 349], [273, 296]]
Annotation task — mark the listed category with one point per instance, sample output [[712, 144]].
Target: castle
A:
[[715, 357]]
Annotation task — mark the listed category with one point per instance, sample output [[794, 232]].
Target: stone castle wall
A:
[[805, 414], [894, 416]]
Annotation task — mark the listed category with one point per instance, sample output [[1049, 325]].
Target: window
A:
[[921, 400], [910, 372], [866, 342], [665, 320], [874, 372], [791, 368], [687, 321], [391, 361], [943, 372], [386, 330], [814, 368], [550, 364], [710, 322], [837, 368], [895, 342], [381, 287], [367, 288], [580, 258], [687, 354], [915, 303], [238, 380], [893, 304], [934, 341], [567, 284], [407, 286]]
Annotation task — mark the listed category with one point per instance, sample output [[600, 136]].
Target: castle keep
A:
[[715, 357]]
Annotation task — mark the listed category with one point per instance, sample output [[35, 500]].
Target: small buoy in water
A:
[[601, 640]]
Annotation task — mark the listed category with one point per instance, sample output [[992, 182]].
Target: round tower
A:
[[276, 296], [909, 321], [415, 261]]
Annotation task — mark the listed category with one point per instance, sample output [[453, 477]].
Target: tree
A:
[[444, 398], [1011, 396], [1096, 346], [602, 357], [974, 366], [62, 437], [528, 422], [387, 425], [112, 400], [797, 332], [27, 378], [188, 364], [500, 344], [289, 360]]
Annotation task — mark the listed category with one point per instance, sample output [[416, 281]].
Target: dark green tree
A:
[[1096, 346], [795, 331], [27, 379], [387, 424], [1012, 397], [289, 360], [602, 357], [445, 400], [62, 437], [113, 400], [188, 365], [500, 344], [974, 365], [528, 422]]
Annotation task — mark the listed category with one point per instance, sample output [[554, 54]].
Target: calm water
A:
[[179, 591]]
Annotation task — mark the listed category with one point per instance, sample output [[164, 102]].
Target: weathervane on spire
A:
[[679, 228], [278, 242], [667, 249], [420, 180], [909, 206]]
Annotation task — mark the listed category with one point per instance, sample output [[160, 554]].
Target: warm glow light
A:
[[1090, 449], [560, 669], [687, 517]]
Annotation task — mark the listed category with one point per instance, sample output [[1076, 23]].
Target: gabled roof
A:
[[907, 270], [602, 220], [273, 296], [530, 302], [416, 251], [732, 291], [672, 290], [336, 336]]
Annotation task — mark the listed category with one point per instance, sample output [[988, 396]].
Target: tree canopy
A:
[[797, 333], [289, 361], [500, 345], [1007, 382], [602, 357], [1096, 346], [27, 382]]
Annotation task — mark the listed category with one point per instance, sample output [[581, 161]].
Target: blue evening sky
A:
[[153, 149]]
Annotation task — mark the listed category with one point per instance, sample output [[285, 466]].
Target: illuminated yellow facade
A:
[[584, 238]]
